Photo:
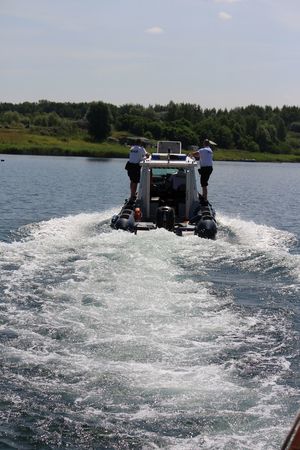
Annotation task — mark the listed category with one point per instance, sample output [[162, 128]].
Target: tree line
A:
[[252, 128]]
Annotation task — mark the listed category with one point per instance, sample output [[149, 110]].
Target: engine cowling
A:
[[206, 228], [165, 217]]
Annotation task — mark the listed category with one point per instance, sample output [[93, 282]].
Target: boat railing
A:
[[292, 441]]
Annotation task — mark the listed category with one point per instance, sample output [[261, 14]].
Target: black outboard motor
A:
[[206, 227], [205, 222], [125, 221], [165, 217]]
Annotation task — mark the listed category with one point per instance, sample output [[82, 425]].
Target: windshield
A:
[[161, 171]]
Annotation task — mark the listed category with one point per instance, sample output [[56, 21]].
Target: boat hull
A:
[[203, 224]]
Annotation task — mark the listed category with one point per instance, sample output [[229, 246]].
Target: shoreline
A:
[[23, 142], [219, 155]]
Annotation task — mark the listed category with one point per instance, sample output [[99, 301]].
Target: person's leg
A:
[[135, 179], [204, 177], [203, 183], [133, 173], [133, 188]]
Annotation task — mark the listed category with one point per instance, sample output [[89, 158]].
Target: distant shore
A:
[[19, 142]]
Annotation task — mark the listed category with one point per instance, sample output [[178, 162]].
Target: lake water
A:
[[116, 341]]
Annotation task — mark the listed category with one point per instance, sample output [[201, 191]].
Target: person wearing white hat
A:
[[136, 155], [205, 158]]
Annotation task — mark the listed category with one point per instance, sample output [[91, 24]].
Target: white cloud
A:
[[224, 16], [154, 30]]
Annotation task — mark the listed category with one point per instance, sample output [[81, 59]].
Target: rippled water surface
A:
[[115, 341]]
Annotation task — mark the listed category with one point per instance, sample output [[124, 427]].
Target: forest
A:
[[253, 128]]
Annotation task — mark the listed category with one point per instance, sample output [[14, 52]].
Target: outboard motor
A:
[[206, 227], [114, 219], [205, 223], [165, 217], [125, 221]]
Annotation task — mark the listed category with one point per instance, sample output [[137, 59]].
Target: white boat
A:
[[168, 196]]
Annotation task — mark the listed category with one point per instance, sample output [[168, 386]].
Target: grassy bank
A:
[[22, 141]]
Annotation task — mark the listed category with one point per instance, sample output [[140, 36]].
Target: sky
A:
[[213, 53]]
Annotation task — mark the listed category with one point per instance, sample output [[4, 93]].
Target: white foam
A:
[[258, 248], [137, 320]]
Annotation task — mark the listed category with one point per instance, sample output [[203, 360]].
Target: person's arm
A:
[[194, 154]]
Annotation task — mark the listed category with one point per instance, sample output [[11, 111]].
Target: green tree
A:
[[181, 133], [156, 129], [237, 134], [247, 143], [138, 126], [290, 114], [279, 124], [263, 137], [295, 126], [11, 117], [41, 120], [251, 124], [206, 129], [99, 121], [224, 136], [53, 119]]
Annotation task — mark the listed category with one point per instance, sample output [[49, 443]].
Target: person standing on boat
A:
[[205, 157], [136, 155]]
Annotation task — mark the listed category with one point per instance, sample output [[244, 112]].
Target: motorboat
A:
[[168, 197]]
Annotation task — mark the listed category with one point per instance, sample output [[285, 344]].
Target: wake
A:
[[158, 337]]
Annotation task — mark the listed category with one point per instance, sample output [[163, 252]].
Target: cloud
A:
[[154, 30], [224, 16]]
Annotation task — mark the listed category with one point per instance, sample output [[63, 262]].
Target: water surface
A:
[[116, 341]]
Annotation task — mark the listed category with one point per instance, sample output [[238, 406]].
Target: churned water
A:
[[117, 341]]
